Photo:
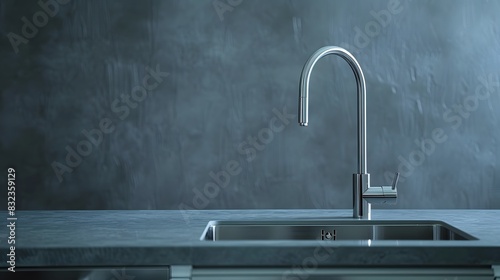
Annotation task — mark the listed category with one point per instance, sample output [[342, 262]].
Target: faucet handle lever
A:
[[395, 181], [382, 194]]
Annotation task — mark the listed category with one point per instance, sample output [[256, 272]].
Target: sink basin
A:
[[332, 230]]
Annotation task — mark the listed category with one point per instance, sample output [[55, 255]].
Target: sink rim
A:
[[335, 222]]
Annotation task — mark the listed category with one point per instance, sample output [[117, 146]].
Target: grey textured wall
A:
[[233, 68]]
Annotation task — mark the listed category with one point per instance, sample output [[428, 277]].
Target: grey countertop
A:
[[154, 238]]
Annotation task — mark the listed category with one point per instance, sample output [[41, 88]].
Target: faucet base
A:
[[361, 208]]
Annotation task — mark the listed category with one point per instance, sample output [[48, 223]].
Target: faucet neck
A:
[[361, 96]]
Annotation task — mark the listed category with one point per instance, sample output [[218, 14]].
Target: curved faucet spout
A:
[[361, 89]]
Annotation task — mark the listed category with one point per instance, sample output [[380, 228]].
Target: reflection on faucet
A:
[[363, 194]]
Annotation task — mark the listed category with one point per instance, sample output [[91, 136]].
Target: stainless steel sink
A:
[[332, 230]]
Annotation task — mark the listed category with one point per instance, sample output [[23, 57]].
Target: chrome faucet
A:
[[363, 193]]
